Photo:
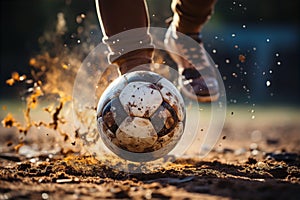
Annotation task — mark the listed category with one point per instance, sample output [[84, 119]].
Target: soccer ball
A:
[[141, 116]]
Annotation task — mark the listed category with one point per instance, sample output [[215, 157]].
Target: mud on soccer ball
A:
[[141, 116]]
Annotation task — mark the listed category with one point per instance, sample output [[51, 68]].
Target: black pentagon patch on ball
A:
[[164, 119], [113, 114]]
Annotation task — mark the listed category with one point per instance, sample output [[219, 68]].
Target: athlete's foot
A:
[[197, 78]]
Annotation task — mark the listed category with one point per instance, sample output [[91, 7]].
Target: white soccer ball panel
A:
[[172, 96], [140, 99], [136, 134]]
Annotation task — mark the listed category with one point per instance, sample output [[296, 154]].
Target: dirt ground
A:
[[254, 159]]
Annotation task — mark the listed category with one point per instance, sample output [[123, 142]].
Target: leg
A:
[[116, 16], [191, 15], [197, 71]]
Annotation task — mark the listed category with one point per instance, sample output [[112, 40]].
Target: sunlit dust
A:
[[53, 71], [15, 77]]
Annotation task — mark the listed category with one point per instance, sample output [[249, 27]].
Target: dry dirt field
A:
[[254, 159]]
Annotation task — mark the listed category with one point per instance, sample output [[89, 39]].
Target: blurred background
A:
[[254, 43]]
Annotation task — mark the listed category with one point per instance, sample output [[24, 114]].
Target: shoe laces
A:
[[196, 56]]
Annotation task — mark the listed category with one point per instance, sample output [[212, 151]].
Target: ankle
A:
[[135, 60]]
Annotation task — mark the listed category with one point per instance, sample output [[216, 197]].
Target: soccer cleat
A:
[[197, 78]]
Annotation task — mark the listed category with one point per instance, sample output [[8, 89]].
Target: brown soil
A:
[[242, 166]]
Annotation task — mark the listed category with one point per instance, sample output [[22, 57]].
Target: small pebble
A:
[[45, 196], [262, 165]]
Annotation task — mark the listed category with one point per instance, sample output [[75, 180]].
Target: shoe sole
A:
[[210, 98], [204, 99]]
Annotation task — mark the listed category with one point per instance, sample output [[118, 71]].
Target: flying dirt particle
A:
[[224, 137], [242, 58], [15, 76], [9, 143], [231, 113], [234, 75], [10, 82], [66, 137], [22, 78], [79, 19], [82, 15], [32, 62], [77, 133], [8, 121], [64, 66]]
